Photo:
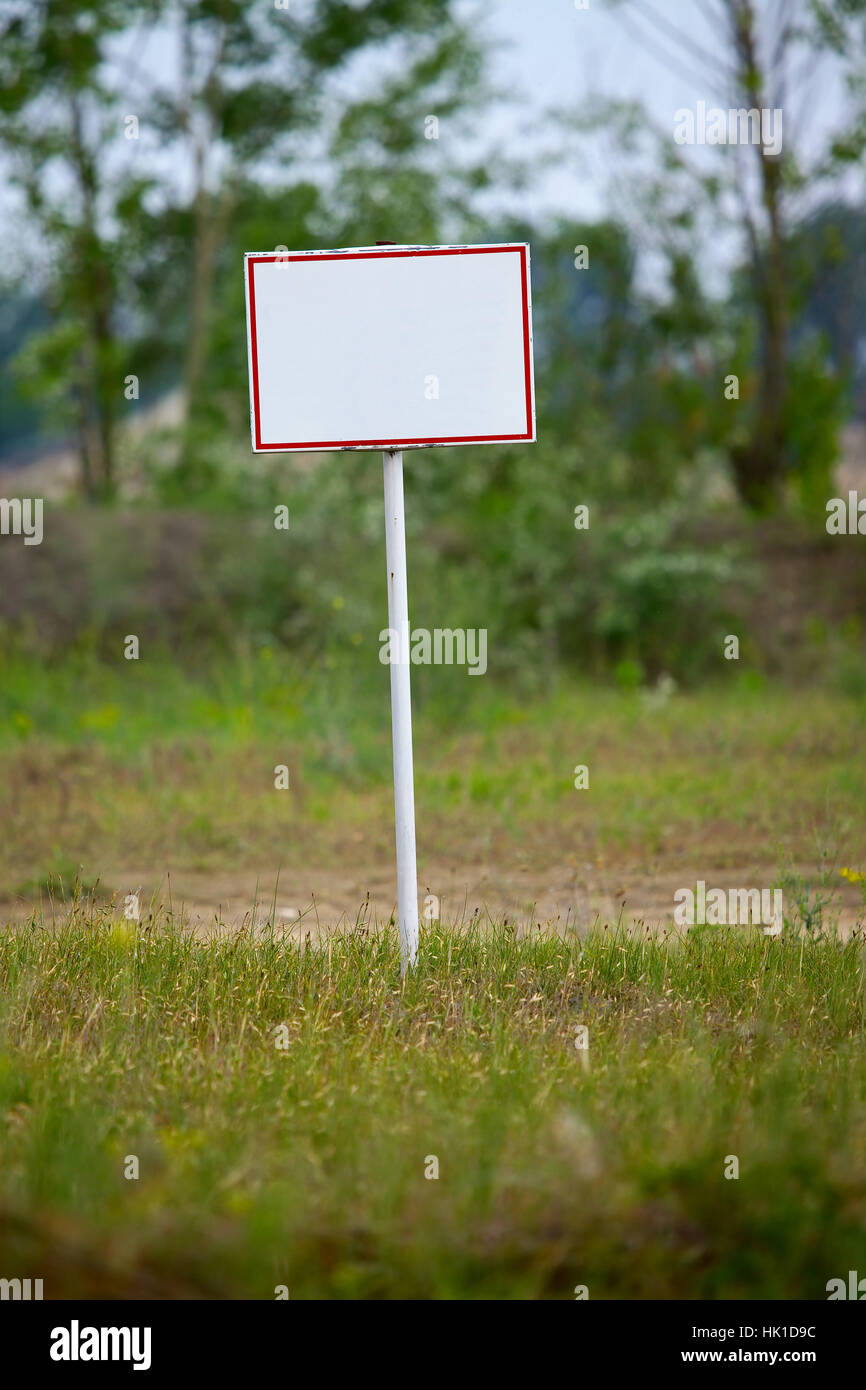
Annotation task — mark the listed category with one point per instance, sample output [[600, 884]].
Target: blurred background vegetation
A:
[[148, 143]]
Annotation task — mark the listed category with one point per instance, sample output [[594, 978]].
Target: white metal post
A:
[[401, 708]]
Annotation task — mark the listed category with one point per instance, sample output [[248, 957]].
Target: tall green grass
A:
[[304, 1165]]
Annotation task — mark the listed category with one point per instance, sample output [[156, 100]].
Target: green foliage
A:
[[145, 234], [493, 546], [815, 412]]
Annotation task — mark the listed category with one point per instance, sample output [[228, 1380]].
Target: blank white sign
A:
[[390, 347]]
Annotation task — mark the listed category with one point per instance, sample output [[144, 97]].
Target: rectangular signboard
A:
[[390, 347]]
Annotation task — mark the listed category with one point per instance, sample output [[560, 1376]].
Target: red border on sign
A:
[[253, 261]]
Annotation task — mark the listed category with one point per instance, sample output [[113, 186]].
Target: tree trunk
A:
[[95, 300], [760, 464]]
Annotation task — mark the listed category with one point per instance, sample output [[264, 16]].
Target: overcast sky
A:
[[555, 54], [559, 55]]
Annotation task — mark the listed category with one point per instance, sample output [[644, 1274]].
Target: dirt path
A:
[[318, 900]]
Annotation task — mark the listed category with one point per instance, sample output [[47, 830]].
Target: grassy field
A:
[[285, 1097], [129, 772], [284, 1104]]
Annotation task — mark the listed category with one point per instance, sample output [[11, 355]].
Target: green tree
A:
[[761, 59], [57, 120], [277, 127], [259, 95]]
